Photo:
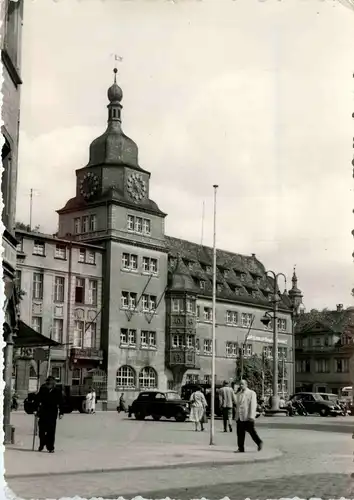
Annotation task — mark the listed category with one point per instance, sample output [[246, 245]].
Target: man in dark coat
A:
[[49, 402]]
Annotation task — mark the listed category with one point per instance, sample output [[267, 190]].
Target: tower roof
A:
[[295, 291], [114, 147], [180, 278]]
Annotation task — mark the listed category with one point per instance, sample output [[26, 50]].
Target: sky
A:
[[255, 96]]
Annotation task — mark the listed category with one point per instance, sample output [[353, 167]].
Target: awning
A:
[[27, 337]]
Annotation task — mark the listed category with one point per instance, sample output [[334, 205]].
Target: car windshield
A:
[[172, 396], [318, 397], [329, 397]]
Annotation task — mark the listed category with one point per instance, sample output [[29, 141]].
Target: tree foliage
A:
[[26, 227], [255, 368]]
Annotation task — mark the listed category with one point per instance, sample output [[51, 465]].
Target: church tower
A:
[[295, 295], [112, 209]]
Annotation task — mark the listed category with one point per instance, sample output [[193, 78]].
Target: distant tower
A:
[[295, 294]]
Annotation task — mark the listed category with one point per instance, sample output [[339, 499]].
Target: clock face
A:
[[136, 187], [89, 185]]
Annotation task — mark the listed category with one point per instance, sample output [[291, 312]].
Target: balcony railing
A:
[[86, 353], [183, 356]]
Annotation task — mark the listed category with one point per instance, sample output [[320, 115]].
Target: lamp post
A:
[[266, 320]]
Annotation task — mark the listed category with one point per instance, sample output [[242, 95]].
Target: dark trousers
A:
[[46, 431], [227, 417], [242, 428]]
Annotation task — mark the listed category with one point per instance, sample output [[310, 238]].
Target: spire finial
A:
[[115, 71]]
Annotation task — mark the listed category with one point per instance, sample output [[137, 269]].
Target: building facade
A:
[[61, 282], [324, 349], [156, 317], [11, 27]]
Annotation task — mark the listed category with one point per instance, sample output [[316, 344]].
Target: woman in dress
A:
[[198, 408]]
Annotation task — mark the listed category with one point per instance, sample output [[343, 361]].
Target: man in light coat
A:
[[246, 407], [227, 402]]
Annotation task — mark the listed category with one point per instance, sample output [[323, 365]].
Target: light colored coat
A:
[[227, 397], [246, 405]]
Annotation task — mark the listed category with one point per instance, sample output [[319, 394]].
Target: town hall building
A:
[[155, 305]]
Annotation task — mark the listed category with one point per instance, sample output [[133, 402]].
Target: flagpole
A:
[[212, 409]]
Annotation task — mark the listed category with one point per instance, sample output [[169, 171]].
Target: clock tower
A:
[[112, 208]]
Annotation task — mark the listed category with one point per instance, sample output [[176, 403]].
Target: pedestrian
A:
[[227, 402], [198, 408], [122, 406], [49, 402], [246, 408], [91, 401]]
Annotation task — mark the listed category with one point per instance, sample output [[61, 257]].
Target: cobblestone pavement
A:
[[314, 464]]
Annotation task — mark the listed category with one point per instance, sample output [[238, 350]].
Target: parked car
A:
[[314, 403], [160, 404], [188, 389]]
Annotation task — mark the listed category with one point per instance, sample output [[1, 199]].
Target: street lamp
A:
[[267, 318]]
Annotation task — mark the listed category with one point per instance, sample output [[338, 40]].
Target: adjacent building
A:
[[324, 349], [62, 299], [11, 27]]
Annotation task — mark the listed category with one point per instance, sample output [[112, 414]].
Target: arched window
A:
[[148, 378], [126, 378]]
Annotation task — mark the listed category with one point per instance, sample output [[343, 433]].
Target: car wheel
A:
[[324, 412], [139, 416], [180, 417], [156, 417]]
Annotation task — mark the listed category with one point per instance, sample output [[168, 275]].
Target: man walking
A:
[[227, 401], [246, 407], [49, 402]]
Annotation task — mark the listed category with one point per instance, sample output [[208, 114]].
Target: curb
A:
[[339, 428], [182, 465]]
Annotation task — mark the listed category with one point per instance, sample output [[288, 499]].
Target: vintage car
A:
[[157, 404], [314, 403]]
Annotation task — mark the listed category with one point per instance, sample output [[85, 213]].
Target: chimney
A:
[[254, 255], [339, 307]]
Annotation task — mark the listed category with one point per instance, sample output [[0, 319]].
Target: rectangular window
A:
[[82, 255], [132, 300], [37, 324], [190, 306], [145, 302], [322, 366], [92, 292], [18, 278], [190, 341], [247, 350], [152, 339], [231, 349], [85, 224], [90, 335], [125, 261], [177, 340], [130, 223], [303, 366], [147, 226], [208, 346], [341, 365], [207, 379], [246, 319], [146, 264], [38, 248], [138, 224], [79, 328], [152, 303], [37, 286], [58, 330], [282, 324], [19, 246], [59, 285], [231, 317], [208, 314], [282, 352], [175, 305], [77, 225], [148, 339], [125, 300], [91, 257], [192, 378], [268, 351], [93, 223], [153, 266], [133, 262], [80, 291], [60, 252], [132, 337], [124, 336]]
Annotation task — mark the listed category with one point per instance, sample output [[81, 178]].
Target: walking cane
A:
[[35, 429]]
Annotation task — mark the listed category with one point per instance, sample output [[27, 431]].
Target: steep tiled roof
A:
[[239, 277], [337, 321]]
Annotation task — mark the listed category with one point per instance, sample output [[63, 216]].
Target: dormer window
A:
[[226, 273], [208, 269], [243, 277], [202, 285], [219, 287], [190, 266]]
